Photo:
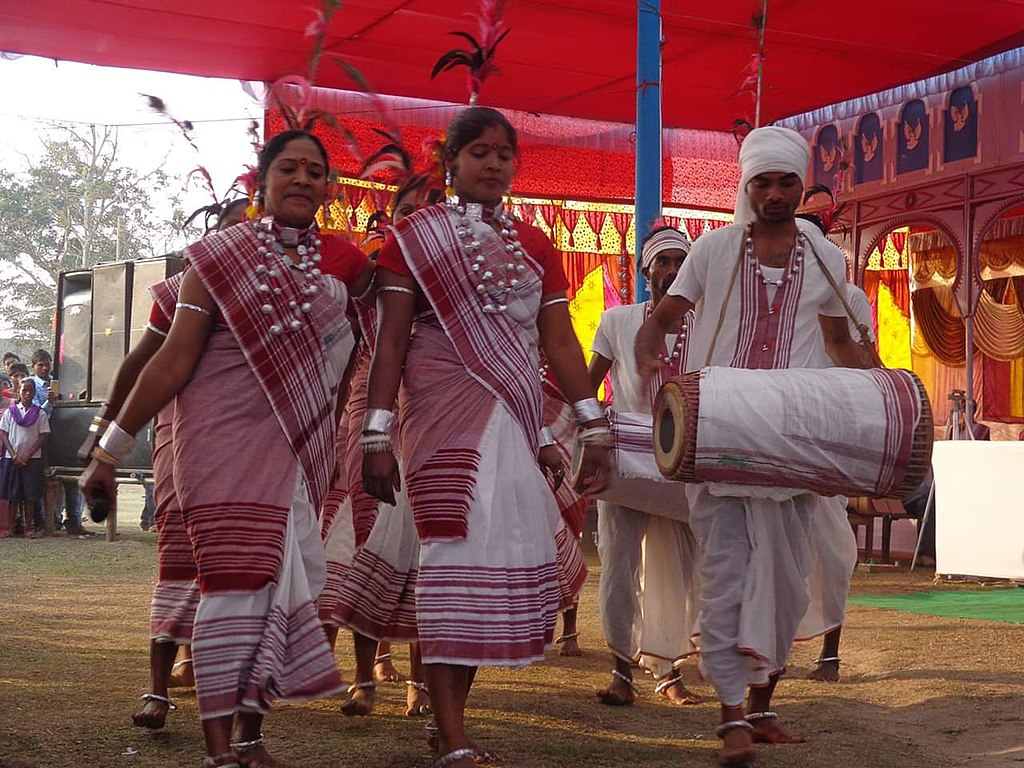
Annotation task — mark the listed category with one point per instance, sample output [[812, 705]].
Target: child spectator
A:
[[41, 365], [23, 430], [18, 371]]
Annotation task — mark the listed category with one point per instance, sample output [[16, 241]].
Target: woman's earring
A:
[[449, 190]]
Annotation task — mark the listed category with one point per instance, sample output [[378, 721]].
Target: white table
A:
[[979, 508]]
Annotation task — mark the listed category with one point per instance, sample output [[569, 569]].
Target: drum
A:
[[635, 481], [830, 431]]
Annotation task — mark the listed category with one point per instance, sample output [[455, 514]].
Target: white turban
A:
[[771, 149], [661, 241]]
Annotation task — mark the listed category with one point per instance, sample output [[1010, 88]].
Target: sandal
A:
[[156, 721], [466, 753], [613, 699], [739, 758], [353, 708]]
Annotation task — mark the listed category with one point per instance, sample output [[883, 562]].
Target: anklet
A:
[[244, 746], [753, 717], [381, 659], [827, 659], [563, 638], [417, 685], [162, 699], [361, 687], [623, 678], [731, 725], [664, 685]]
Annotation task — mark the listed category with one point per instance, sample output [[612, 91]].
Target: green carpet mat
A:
[[998, 605]]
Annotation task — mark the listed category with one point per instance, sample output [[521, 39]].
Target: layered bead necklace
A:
[[273, 241], [492, 288], [794, 266], [677, 347]]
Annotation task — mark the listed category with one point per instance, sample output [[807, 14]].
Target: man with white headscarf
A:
[[648, 589], [759, 304]]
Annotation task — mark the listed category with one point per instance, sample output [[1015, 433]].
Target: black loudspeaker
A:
[[147, 273], [111, 284], [72, 350]]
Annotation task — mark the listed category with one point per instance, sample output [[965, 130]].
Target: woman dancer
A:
[[254, 311], [475, 290], [377, 593]]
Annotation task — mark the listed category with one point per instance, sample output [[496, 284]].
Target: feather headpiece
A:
[[479, 57]]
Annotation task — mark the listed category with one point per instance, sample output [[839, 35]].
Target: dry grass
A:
[[917, 691]]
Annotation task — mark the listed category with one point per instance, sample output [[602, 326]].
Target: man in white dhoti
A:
[[762, 300], [648, 589]]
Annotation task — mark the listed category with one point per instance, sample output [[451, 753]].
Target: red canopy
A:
[[563, 57]]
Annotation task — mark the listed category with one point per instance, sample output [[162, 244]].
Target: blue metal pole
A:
[[648, 127]]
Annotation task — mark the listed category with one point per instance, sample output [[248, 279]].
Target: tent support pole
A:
[[648, 128]]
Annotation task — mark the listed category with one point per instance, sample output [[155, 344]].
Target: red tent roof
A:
[[563, 57]]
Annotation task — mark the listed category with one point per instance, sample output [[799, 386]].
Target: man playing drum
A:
[[759, 304], [649, 623]]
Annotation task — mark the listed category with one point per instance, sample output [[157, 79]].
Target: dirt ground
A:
[[917, 691]]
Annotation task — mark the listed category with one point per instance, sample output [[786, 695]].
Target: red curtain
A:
[[569, 216], [355, 196], [694, 228], [596, 220], [547, 212], [943, 331]]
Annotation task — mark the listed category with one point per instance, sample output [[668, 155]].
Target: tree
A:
[[73, 207]]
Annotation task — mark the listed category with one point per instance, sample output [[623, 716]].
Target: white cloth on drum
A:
[[813, 426], [771, 149], [833, 558], [754, 576], [649, 586], [493, 598]]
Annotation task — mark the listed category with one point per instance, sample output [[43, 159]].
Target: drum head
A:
[[669, 430]]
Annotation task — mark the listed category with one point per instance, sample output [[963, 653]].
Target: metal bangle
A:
[[117, 442], [378, 420], [552, 302], [395, 289], [588, 410], [157, 331], [376, 443], [99, 424], [598, 436], [103, 457], [192, 307], [546, 437]]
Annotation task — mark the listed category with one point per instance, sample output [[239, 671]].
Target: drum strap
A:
[[862, 329]]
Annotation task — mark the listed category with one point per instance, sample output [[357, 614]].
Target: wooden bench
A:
[[862, 510]]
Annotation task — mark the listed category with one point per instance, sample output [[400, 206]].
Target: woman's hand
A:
[[381, 477], [550, 461], [97, 483]]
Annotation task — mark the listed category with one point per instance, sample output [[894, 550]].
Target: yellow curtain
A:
[[585, 311], [893, 331], [1017, 387]]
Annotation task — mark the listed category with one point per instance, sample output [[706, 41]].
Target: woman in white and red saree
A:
[[255, 357], [176, 594], [477, 291], [376, 594]]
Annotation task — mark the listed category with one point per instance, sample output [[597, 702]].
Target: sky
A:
[[36, 95]]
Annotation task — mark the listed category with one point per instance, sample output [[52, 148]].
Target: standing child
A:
[[23, 430]]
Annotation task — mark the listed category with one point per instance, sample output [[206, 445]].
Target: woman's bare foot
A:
[[181, 675], [767, 730], [674, 690], [153, 714], [257, 757], [360, 700], [569, 645], [417, 700], [384, 671], [826, 671], [620, 693]]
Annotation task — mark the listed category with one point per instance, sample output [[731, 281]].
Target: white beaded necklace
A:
[[677, 347], [273, 241], [493, 289], [794, 267]]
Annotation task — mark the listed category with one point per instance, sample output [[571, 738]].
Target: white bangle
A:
[[599, 436], [546, 437], [378, 420], [552, 302], [99, 424], [588, 410], [117, 442]]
